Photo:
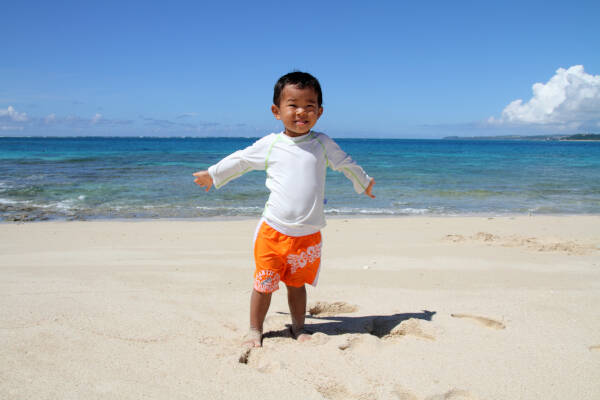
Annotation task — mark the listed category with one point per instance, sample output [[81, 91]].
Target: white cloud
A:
[[13, 121], [13, 115], [96, 118], [159, 124], [10, 128], [187, 115], [569, 100]]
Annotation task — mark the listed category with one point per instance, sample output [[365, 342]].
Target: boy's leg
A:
[[259, 305], [297, 302]]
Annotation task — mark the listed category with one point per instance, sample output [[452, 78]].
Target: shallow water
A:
[[92, 177]]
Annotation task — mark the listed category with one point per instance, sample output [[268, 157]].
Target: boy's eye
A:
[[308, 107]]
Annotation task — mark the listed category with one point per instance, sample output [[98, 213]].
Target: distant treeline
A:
[[579, 136], [583, 136]]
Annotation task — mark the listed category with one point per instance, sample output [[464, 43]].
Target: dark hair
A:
[[301, 80]]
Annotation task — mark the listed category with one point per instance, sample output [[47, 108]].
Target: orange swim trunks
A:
[[293, 260]]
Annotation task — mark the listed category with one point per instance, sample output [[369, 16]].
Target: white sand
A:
[[410, 308]]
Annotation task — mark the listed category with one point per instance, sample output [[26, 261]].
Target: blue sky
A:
[[387, 68]]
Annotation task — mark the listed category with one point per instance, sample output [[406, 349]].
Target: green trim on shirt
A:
[[225, 181], [309, 136], [324, 153], [355, 177], [270, 149]]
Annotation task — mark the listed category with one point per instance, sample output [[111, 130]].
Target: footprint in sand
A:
[[324, 309], [269, 366], [402, 394], [348, 343], [479, 236], [455, 238], [410, 327], [485, 237], [454, 394], [490, 323], [230, 326], [245, 355], [532, 243], [333, 391]]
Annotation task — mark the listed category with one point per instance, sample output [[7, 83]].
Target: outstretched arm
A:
[[203, 179], [369, 189], [338, 160], [238, 163]]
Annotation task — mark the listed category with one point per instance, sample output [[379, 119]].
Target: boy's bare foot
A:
[[252, 339], [300, 334]]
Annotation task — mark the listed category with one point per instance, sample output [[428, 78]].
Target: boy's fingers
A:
[[203, 183], [369, 191]]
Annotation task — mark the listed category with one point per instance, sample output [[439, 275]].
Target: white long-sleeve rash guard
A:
[[296, 170]]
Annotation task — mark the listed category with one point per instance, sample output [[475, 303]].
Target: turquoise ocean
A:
[[100, 177]]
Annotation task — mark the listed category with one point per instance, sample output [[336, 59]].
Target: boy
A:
[[287, 245]]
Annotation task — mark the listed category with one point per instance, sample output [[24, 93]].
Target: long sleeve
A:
[[236, 164], [338, 160]]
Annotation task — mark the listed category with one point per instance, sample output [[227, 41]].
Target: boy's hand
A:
[[203, 179], [369, 189]]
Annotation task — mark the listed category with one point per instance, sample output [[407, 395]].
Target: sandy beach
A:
[[406, 308]]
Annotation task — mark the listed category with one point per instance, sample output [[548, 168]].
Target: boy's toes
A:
[[252, 339], [303, 337], [300, 334], [251, 343]]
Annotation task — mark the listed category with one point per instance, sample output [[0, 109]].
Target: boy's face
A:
[[298, 109]]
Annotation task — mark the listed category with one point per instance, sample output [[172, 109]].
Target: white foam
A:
[[378, 211], [64, 205], [415, 211], [248, 209], [160, 206], [8, 201]]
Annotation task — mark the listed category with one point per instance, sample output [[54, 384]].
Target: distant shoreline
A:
[[562, 138], [580, 137]]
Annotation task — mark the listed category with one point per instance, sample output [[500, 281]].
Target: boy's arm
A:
[[236, 164], [338, 160]]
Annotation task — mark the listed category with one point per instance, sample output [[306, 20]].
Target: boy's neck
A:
[[294, 134]]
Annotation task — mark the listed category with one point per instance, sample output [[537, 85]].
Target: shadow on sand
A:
[[377, 325]]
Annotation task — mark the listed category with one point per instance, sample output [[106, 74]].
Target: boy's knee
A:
[[296, 289], [262, 294]]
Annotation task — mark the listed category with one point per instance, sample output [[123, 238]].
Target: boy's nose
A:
[[300, 110]]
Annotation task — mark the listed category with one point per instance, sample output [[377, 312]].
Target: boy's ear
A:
[[320, 112], [275, 111]]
